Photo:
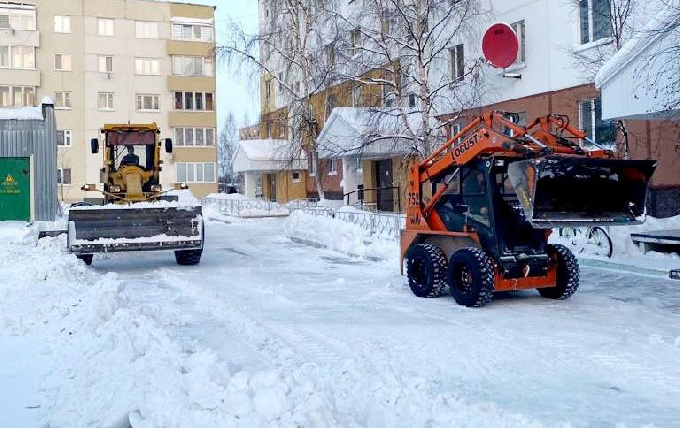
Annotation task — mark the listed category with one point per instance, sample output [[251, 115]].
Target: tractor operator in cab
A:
[[130, 158]]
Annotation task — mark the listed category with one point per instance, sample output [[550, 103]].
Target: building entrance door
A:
[[15, 189], [383, 170], [272, 187]]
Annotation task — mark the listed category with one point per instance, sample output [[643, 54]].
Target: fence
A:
[[385, 224]]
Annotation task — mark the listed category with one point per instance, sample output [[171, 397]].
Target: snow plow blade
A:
[[566, 191], [113, 229]]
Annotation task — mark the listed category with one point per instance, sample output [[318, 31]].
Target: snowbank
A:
[[225, 196], [339, 235]]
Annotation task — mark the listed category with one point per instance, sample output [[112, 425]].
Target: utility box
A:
[[28, 163]]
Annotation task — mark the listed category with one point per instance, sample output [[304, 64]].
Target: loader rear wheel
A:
[[188, 257], [471, 275], [567, 274], [87, 258], [426, 270]]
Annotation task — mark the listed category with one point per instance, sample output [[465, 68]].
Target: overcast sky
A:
[[234, 93]]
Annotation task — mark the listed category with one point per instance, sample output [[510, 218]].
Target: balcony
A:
[[13, 37]]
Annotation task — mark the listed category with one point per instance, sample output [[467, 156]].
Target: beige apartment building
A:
[[116, 61]]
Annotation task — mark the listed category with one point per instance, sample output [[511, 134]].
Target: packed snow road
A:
[[269, 332]]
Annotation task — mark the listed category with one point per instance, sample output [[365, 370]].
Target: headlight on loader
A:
[[156, 188], [114, 188], [89, 187]]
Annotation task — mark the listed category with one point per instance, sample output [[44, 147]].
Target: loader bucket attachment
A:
[[129, 228], [569, 191]]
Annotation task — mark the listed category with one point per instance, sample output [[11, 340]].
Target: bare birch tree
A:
[[227, 145], [414, 51], [291, 45]]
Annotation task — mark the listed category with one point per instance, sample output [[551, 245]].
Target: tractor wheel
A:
[[87, 258], [567, 274], [426, 270], [188, 257], [471, 275]]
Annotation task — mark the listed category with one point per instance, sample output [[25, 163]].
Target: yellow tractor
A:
[[137, 214]]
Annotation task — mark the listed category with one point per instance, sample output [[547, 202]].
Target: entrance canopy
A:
[[636, 83], [268, 155], [371, 132]]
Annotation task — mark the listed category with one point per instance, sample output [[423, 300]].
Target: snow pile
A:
[[225, 196], [338, 235], [21, 113], [184, 197]]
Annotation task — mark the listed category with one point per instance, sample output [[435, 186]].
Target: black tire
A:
[[426, 270], [567, 274], [471, 275], [188, 257], [87, 258]]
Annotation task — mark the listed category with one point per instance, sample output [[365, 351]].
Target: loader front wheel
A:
[[567, 274], [87, 258], [471, 275], [426, 270], [188, 257]]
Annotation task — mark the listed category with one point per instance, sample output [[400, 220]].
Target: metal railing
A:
[[384, 224], [381, 195], [375, 223]]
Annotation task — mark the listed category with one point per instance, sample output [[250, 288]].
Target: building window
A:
[[149, 102], [411, 100], [330, 55], [188, 137], [519, 118], [355, 40], [356, 96], [5, 96], [268, 91], [590, 120], [195, 32], [105, 64], [18, 19], [333, 167], [457, 63], [105, 27], [62, 24], [64, 176], [5, 57], [297, 177], [17, 96], [62, 62], [388, 95], [64, 137], [280, 80], [196, 172], [194, 101], [455, 129], [147, 67], [106, 101], [62, 100], [146, 30], [22, 56], [192, 66], [519, 28], [595, 17]]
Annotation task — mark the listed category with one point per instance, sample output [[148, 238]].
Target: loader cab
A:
[[481, 198]]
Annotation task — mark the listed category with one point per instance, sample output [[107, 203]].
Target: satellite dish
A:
[[500, 45]]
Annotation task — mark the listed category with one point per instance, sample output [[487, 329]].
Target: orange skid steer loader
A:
[[481, 207]]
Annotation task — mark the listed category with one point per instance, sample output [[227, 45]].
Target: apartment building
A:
[[557, 40], [116, 61]]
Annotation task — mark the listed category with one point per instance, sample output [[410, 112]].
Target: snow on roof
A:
[[369, 131], [47, 101], [653, 31], [21, 113], [267, 155]]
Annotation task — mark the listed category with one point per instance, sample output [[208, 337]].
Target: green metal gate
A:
[[15, 189]]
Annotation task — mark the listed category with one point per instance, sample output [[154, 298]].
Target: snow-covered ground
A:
[[271, 332]]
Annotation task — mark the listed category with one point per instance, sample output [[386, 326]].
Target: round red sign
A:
[[500, 45]]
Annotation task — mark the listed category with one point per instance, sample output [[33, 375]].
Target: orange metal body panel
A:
[[528, 283]]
